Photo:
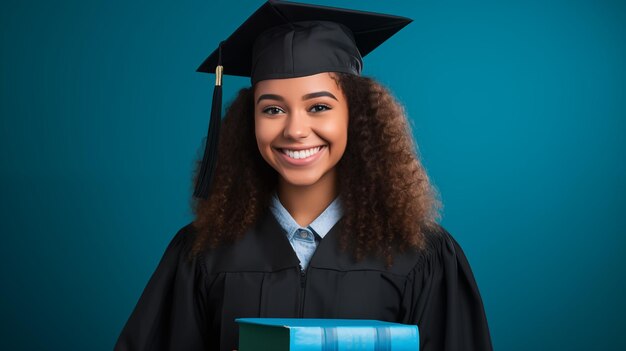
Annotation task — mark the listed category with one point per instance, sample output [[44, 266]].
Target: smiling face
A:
[[301, 127]]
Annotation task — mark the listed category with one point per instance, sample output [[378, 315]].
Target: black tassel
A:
[[209, 160]]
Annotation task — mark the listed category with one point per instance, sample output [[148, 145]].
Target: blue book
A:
[[306, 334]]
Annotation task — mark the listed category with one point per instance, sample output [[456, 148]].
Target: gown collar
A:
[[321, 225], [265, 248]]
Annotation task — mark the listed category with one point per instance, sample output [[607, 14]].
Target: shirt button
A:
[[303, 234]]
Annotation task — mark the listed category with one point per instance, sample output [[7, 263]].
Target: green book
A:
[[306, 334]]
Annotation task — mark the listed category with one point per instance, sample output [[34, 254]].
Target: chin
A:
[[300, 180]]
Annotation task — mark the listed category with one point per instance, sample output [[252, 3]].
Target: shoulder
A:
[[438, 245], [262, 247], [437, 240], [183, 239], [179, 249], [442, 254]]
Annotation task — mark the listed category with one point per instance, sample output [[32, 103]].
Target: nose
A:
[[297, 126]]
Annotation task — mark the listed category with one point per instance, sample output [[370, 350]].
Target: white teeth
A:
[[301, 153]]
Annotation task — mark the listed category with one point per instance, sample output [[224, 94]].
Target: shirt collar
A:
[[321, 225]]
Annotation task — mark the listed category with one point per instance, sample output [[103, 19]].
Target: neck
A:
[[307, 202]]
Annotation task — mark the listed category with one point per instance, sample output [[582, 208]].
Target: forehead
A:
[[298, 86]]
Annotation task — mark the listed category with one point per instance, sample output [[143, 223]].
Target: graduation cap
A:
[[287, 40]]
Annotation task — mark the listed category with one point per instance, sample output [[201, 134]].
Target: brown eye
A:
[[319, 108], [272, 110]]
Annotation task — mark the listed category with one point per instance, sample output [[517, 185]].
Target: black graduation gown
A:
[[192, 306]]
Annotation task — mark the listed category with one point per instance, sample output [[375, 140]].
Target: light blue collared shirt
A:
[[305, 240]]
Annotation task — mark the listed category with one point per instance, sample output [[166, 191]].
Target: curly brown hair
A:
[[388, 200]]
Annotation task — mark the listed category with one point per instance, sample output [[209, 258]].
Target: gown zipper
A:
[[303, 281], [302, 292]]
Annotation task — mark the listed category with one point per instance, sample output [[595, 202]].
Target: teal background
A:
[[518, 107]]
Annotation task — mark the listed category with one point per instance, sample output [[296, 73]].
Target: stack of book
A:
[[286, 334]]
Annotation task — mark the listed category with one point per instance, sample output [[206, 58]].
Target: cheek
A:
[[341, 143], [337, 134], [262, 133], [262, 140], [265, 134]]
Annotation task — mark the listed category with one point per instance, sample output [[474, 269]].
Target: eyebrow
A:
[[305, 97], [270, 97], [318, 94]]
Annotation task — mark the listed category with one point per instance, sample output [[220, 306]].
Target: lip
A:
[[302, 161], [298, 148]]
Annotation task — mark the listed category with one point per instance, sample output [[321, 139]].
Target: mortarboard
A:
[[286, 40]]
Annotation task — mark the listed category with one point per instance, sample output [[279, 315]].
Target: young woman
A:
[[319, 207]]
